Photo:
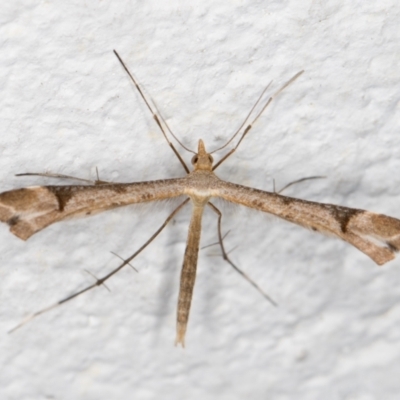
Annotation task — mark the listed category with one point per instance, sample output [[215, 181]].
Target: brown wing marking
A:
[[31, 209], [376, 235]]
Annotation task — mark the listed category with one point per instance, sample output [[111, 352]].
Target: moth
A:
[[29, 210]]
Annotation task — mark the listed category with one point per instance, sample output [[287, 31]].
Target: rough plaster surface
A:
[[68, 107]]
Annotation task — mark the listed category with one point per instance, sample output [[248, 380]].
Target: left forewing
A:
[[31, 209], [376, 235]]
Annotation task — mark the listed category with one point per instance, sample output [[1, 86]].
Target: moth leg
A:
[[228, 260], [214, 244], [62, 176], [308, 178], [105, 277]]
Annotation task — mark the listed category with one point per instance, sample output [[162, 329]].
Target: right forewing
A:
[[376, 235]]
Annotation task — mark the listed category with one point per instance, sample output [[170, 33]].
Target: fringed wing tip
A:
[[27, 210], [377, 235], [17, 226]]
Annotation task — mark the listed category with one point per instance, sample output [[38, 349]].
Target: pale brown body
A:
[[29, 210]]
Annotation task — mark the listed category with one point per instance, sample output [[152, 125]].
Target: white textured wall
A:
[[68, 107]]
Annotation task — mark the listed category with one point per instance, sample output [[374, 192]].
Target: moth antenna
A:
[[155, 117], [245, 120], [249, 126]]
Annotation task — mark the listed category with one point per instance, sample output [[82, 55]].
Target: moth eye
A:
[[210, 157], [195, 159]]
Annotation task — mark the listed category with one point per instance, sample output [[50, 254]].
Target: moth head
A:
[[202, 161]]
